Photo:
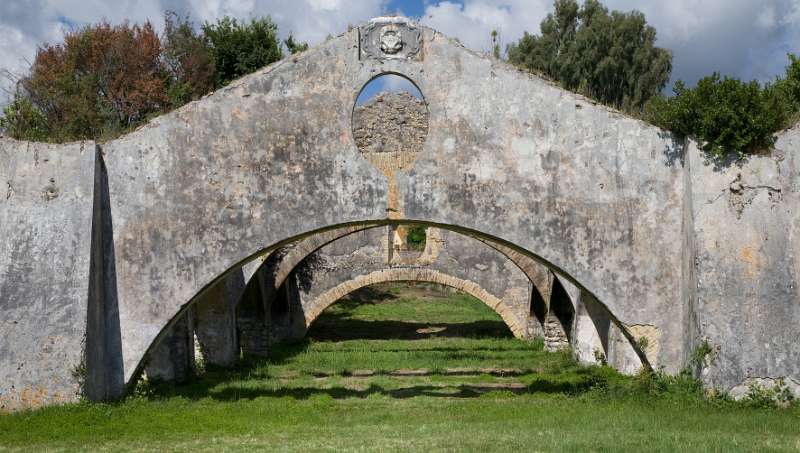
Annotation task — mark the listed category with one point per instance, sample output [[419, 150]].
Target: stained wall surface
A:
[[271, 157], [45, 240], [675, 250], [747, 239]]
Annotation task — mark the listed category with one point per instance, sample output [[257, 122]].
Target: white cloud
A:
[[473, 22], [743, 38], [25, 24], [308, 20]]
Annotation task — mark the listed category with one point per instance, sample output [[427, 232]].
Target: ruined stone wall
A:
[[747, 239], [675, 250], [451, 259], [391, 123], [597, 339], [271, 158], [46, 196]]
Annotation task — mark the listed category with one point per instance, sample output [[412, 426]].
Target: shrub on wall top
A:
[[725, 114]]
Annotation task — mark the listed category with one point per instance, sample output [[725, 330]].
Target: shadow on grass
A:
[[205, 388], [368, 295], [336, 327], [444, 391], [339, 326], [221, 385]]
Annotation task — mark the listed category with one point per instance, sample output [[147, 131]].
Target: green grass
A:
[[457, 382]]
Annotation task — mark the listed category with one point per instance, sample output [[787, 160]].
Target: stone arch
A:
[[199, 192], [328, 298], [369, 250], [226, 178], [556, 332], [267, 275]]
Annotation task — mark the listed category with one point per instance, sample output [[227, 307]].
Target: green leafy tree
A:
[[187, 55], [241, 48], [611, 57], [789, 87], [416, 237], [22, 120], [294, 46], [495, 44], [725, 114], [105, 79]]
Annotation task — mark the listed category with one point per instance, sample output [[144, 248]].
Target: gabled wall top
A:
[[390, 38]]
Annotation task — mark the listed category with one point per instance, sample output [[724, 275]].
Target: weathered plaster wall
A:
[[596, 194], [596, 338], [272, 157], [173, 358], [215, 320], [747, 232], [675, 250], [45, 230]]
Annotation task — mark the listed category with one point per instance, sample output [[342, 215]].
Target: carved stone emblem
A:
[[390, 38], [391, 41]]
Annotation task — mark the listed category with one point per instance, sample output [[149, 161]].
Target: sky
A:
[[748, 39]]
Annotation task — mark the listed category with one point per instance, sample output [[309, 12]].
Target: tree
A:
[[103, 79], [495, 43], [23, 121], [416, 237], [725, 114], [611, 57], [294, 46], [187, 55], [789, 87], [238, 48]]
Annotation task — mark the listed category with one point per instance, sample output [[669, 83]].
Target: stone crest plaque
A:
[[390, 38]]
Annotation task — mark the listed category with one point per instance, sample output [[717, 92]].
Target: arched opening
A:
[[560, 307], [330, 297], [390, 124], [390, 121], [407, 310], [558, 321], [303, 248]]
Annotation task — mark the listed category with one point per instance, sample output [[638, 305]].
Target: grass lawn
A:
[[449, 378]]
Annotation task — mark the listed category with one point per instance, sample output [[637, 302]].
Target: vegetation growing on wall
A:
[[728, 115], [612, 57], [104, 79], [416, 238], [295, 46]]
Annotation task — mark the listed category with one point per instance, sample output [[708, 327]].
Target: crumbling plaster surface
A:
[[45, 235], [596, 338], [630, 214], [271, 158], [747, 233]]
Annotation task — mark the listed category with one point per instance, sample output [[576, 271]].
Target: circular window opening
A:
[[390, 122]]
